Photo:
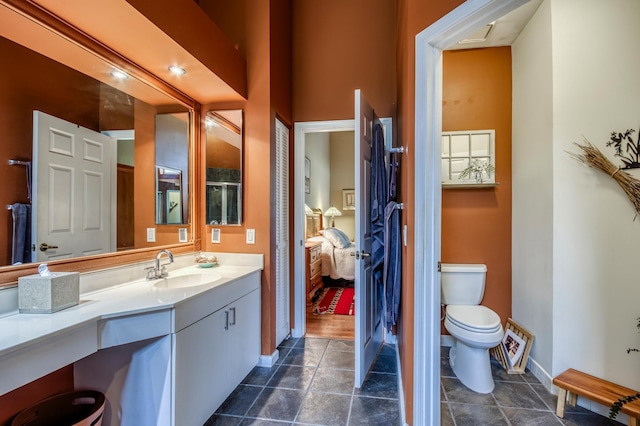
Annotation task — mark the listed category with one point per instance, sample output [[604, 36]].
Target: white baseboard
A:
[[547, 381], [541, 374], [269, 360], [403, 413]]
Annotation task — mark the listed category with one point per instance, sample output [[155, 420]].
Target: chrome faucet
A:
[[159, 271]]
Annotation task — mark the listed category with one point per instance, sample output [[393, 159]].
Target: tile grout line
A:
[[295, 418]]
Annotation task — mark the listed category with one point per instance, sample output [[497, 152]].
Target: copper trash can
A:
[[80, 408]]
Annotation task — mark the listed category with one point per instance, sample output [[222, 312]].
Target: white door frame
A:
[[466, 18], [300, 132]]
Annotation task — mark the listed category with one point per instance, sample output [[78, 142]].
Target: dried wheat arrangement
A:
[[592, 157]]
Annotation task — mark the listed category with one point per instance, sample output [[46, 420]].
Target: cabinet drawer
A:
[[315, 280], [315, 268], [314, 254]]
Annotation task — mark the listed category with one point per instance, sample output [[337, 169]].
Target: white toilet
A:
[[475, 328]]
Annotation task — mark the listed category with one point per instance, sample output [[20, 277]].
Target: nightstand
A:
[[313, 267]]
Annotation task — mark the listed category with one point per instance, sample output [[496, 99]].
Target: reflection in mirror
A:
[[168, 195], [172, 158], [101, 103], [224, 167]]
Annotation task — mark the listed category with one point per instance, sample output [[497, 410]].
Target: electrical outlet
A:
[[251, 236], [151, 235], [215, 235], [182, 235]]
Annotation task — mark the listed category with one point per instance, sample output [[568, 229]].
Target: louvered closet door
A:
[[282, 232]]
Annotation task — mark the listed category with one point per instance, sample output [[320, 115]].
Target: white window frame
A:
[[450, 177]]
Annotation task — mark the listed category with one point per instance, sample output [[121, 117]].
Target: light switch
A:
[[151, 235], [251, 236], [182, 235], [215, 235], [404, 235]]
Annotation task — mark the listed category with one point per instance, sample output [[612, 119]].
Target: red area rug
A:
[[335, 301]]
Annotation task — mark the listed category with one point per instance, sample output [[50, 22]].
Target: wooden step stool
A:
[[577, 383]]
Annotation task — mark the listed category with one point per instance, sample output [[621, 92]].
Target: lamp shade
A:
[[307, 210], [332, 211]]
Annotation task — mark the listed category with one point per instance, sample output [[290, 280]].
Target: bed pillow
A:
[[337, 237]]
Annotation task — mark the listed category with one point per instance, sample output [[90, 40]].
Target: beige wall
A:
[[575, 239], [342, 177], [317, 150]]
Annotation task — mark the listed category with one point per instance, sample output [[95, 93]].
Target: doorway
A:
[[428, 129], [329, 235], [303, 131]]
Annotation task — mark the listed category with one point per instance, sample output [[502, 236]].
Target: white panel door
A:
[[73, 169], [368, 312]]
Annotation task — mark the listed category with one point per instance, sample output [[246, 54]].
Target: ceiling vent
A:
[[478, 36]]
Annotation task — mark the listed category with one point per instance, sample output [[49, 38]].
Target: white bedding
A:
[[337, 262]]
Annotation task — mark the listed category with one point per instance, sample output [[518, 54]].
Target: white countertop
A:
[[19, 330]]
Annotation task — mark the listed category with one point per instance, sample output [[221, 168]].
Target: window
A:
[[465, 148]]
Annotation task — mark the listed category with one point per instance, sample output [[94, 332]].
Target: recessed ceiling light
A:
[[121, 75], [175, 70]]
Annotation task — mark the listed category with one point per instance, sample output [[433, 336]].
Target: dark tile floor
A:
[[516, 400], [312, 384]]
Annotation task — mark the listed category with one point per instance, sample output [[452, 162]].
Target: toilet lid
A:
[[477, 317]]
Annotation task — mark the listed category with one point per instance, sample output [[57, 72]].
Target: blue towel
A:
[[379, 195], [392, 265], [21, 243]]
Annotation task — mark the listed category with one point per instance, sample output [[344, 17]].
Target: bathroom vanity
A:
[[165, 352]]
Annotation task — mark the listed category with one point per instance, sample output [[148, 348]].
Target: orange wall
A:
[[413, 17], [267, 51], [476, 223], [340, 46], [221, 154], [12, 403]]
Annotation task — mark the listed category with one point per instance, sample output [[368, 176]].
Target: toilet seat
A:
[[474, 318]]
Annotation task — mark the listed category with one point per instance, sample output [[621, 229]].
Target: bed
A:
[[338, 254]]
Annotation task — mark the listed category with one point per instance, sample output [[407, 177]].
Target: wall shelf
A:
[[469, 185]]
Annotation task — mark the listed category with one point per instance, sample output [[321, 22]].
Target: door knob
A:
[[360, 254], [45, 247]]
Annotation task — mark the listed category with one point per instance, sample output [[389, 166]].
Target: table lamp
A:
[[332, 211]]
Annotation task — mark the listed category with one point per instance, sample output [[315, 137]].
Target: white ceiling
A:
[[505, 30]]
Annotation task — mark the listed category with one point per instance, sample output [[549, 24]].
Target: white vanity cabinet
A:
[[175, 366], [212, 356]]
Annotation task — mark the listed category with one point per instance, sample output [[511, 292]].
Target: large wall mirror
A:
[[224, 167], [106, 117]]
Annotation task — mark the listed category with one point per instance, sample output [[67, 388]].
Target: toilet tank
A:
[[462, 284]]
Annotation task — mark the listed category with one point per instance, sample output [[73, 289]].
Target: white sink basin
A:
[[190, 280]]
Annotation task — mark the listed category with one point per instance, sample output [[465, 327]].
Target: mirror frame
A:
[[9, 274]]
